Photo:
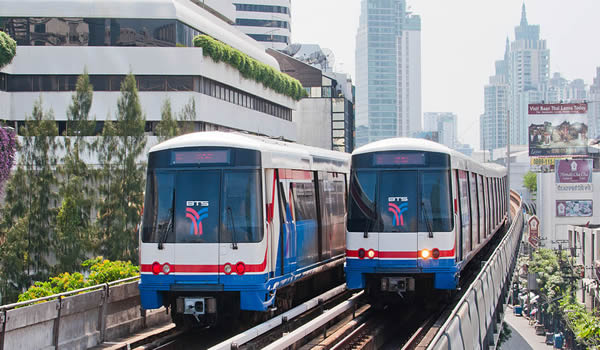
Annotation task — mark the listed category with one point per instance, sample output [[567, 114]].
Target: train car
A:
[[233, 222], [418, 212]]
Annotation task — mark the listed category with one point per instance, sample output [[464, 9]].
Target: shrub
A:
[[249, 67], [101, 271], [8, 49]]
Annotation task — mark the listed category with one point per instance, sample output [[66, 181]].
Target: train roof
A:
[[283, 154], [459, 160]]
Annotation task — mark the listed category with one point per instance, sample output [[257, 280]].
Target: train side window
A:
[[305, 210], [332, 205], [465, 211], [481, 197], [474, 209], [486, 188]]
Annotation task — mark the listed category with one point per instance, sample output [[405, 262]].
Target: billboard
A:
[[570, 208], [534, 230], [557, 129], [574, 171]]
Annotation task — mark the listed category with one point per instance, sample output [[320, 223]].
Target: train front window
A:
[[397, 201], [157, 209], [361, 203], [241, 220], [197, 206], [435, 200]]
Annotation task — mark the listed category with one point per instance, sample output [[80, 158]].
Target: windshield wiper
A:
[[427, 218], [169, 228], [233, 235]]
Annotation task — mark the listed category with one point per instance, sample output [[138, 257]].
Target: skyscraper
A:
[[267, 21], [496, 103], [594, 107], [529, 63], [444, 123], [388, 71]]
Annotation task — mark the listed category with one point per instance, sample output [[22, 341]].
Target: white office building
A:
[[444, 123], [266, 21], [388, 71], [58, 39]]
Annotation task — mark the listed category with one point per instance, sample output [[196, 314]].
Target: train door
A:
[[287, 238], [465, 212], [197, 203], [397, 205]]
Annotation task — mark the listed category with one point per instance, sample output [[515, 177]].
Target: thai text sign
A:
[[574, 187], [570, 208], [557, 129], [574, 171], [534, 230]]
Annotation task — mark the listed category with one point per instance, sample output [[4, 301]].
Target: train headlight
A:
[[166, 269], [227, 269], [371, 253], [361, 253], [156, 268], [240, 268], [425, 254], [435, 253]]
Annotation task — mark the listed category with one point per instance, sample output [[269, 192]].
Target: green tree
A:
[[124, 170], [187, 117], [167, 127], [530, 181], [73, 238]]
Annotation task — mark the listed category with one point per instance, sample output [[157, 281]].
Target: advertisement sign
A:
[[558, 129], [570, 208], [542, 165], [534, 230], [574, 171]]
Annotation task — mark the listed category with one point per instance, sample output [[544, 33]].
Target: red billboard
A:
[[574, 171], [558, 129], [574, 208]]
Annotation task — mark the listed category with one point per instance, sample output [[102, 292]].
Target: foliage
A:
[[505, 334], [584, 324], [8, 49], [167, 127], [250, 68], [187, 117], [123, 176], [101, 271], [8, 147], [72, 236], [530, 181]]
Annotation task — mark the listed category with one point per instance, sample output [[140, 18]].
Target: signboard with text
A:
[[558, 129], [574, 208], [534, 230], [542, 164], [574, 171]]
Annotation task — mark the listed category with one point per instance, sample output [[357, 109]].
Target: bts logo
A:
[[196, 216], [397, 210]]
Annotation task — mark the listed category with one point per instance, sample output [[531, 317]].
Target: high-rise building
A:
[[388, 71], [529, 64], [444, 124], [594, 107], [267, 21], [496, 94]]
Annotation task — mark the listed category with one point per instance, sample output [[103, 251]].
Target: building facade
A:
[[444, 123], [493, 124], [266, 21], [151, 39], [594, 107], [388, 71]]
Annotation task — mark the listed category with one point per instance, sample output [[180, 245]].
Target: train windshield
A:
[[202, 206], [400, 201]]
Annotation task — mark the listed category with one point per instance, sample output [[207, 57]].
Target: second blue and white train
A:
[[418, 212]]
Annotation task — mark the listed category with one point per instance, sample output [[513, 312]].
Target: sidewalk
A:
[[523, 335]]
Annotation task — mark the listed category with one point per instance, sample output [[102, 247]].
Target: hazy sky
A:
[[460, 40]]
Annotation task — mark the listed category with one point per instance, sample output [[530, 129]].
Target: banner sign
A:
[[558, 129], [570, 208], [534, 230], [574, 171], [574, 187]]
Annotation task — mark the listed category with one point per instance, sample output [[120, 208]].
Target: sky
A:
[[460, 41]]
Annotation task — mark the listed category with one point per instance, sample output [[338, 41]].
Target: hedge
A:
[[8, 49], [101, 271], [250, 68]]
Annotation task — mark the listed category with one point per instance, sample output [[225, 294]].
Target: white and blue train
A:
[[418, 212], [233, 222]]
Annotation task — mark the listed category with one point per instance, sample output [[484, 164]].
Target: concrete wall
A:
[[313, 119], [78, 322]]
